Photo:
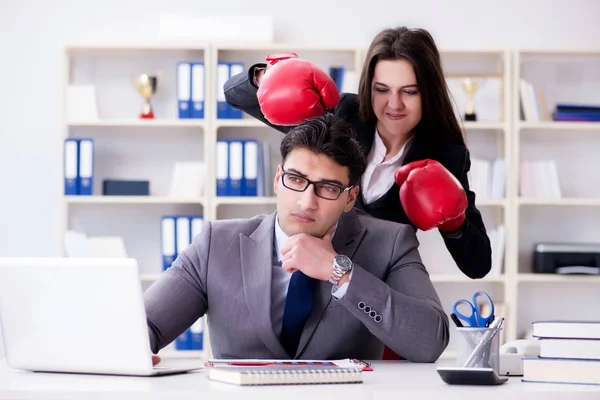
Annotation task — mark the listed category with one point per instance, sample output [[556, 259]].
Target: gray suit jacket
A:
[[226, 273]]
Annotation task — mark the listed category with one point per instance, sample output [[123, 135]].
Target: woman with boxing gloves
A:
[[417, 158]]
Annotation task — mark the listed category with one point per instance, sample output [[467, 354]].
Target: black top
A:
[[470, 248]]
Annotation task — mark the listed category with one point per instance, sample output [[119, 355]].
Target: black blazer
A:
[[471, 250]]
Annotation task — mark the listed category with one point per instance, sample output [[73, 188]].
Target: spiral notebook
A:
[[286, 375]]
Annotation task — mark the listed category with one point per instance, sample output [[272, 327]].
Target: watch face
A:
[[344, 262]]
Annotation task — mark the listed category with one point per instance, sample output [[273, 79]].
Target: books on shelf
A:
[[532, 102], [497, 238], [576, 113], [539, 179], [569, 353], [487, 178]]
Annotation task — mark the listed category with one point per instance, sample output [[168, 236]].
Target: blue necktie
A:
[[298, 306]]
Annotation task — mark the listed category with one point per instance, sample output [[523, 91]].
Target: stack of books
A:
[[577, 113], [569, 353]]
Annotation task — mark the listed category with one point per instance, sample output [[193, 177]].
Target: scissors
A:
[[474, 318]]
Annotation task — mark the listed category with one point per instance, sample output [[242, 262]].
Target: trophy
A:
[[470, 87], [146, 86]]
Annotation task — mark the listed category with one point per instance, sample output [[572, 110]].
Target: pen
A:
[[456, 320]]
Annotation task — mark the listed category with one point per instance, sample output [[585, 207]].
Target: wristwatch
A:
[[341, 265]]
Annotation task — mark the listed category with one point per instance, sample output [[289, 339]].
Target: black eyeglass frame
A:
[[314, 184]]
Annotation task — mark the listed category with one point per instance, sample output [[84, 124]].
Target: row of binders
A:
[[243, 168], [192, 338], [487, 178], [177, 232], [191, 89], [79, 166], [191, 78]]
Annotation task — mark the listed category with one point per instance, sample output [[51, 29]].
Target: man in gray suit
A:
[[317, 279]]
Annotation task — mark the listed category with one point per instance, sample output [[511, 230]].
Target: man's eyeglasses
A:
[[324, 190]]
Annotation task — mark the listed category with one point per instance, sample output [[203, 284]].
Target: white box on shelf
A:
[[82, 104], [188, 180]]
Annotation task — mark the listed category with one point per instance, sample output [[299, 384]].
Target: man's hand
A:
[[155, 359], [311, 255]]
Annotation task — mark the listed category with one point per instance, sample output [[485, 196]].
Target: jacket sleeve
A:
[[403, 309], [240, 93], [470, 248], [178, 298]]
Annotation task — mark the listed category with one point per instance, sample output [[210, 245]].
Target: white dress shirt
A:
[[281, 280], [379, 175]]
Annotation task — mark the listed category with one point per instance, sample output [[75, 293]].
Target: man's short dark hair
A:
[[331, 136]]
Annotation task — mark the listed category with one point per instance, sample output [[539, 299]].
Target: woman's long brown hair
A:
[[438, 122]]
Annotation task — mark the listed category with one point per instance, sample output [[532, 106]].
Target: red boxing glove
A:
[[292, 90], [431, 196]]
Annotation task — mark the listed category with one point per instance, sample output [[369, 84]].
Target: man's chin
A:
[[296, 229]]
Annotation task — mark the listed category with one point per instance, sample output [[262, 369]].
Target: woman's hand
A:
[[431, 196]]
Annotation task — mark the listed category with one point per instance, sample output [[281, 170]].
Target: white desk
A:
[[389, 380]]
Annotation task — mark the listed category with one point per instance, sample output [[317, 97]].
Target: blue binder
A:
[[86, 167], [71, 167], [236, 167], [222, 167], [184, 89], [182, 341], [251, 166], [234, 69], [222, 77], [198, 84], [168, 241], [196, 335]]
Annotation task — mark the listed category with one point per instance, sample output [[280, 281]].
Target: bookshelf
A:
[[128, 147], [556, 77]]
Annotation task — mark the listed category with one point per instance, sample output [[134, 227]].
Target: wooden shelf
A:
[[245, 200], [484, 125], [560, 126], [490, 202], [254, 123], [130, 200], [241, 123], [150, 123], [557, 278], [567, 201]]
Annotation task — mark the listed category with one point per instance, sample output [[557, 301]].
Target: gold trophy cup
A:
[[146, 86], [470, 87]]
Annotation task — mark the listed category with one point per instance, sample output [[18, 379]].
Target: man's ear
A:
[[352, 196], [277, 178]]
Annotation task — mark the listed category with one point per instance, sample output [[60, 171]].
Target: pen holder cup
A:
[[478, 348]]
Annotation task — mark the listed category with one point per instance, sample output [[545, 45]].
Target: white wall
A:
[[34, 31]]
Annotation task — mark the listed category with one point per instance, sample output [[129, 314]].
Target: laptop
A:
[[77, 315]]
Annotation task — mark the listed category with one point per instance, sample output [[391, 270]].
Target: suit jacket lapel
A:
[[347, 237], [256, 253]]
